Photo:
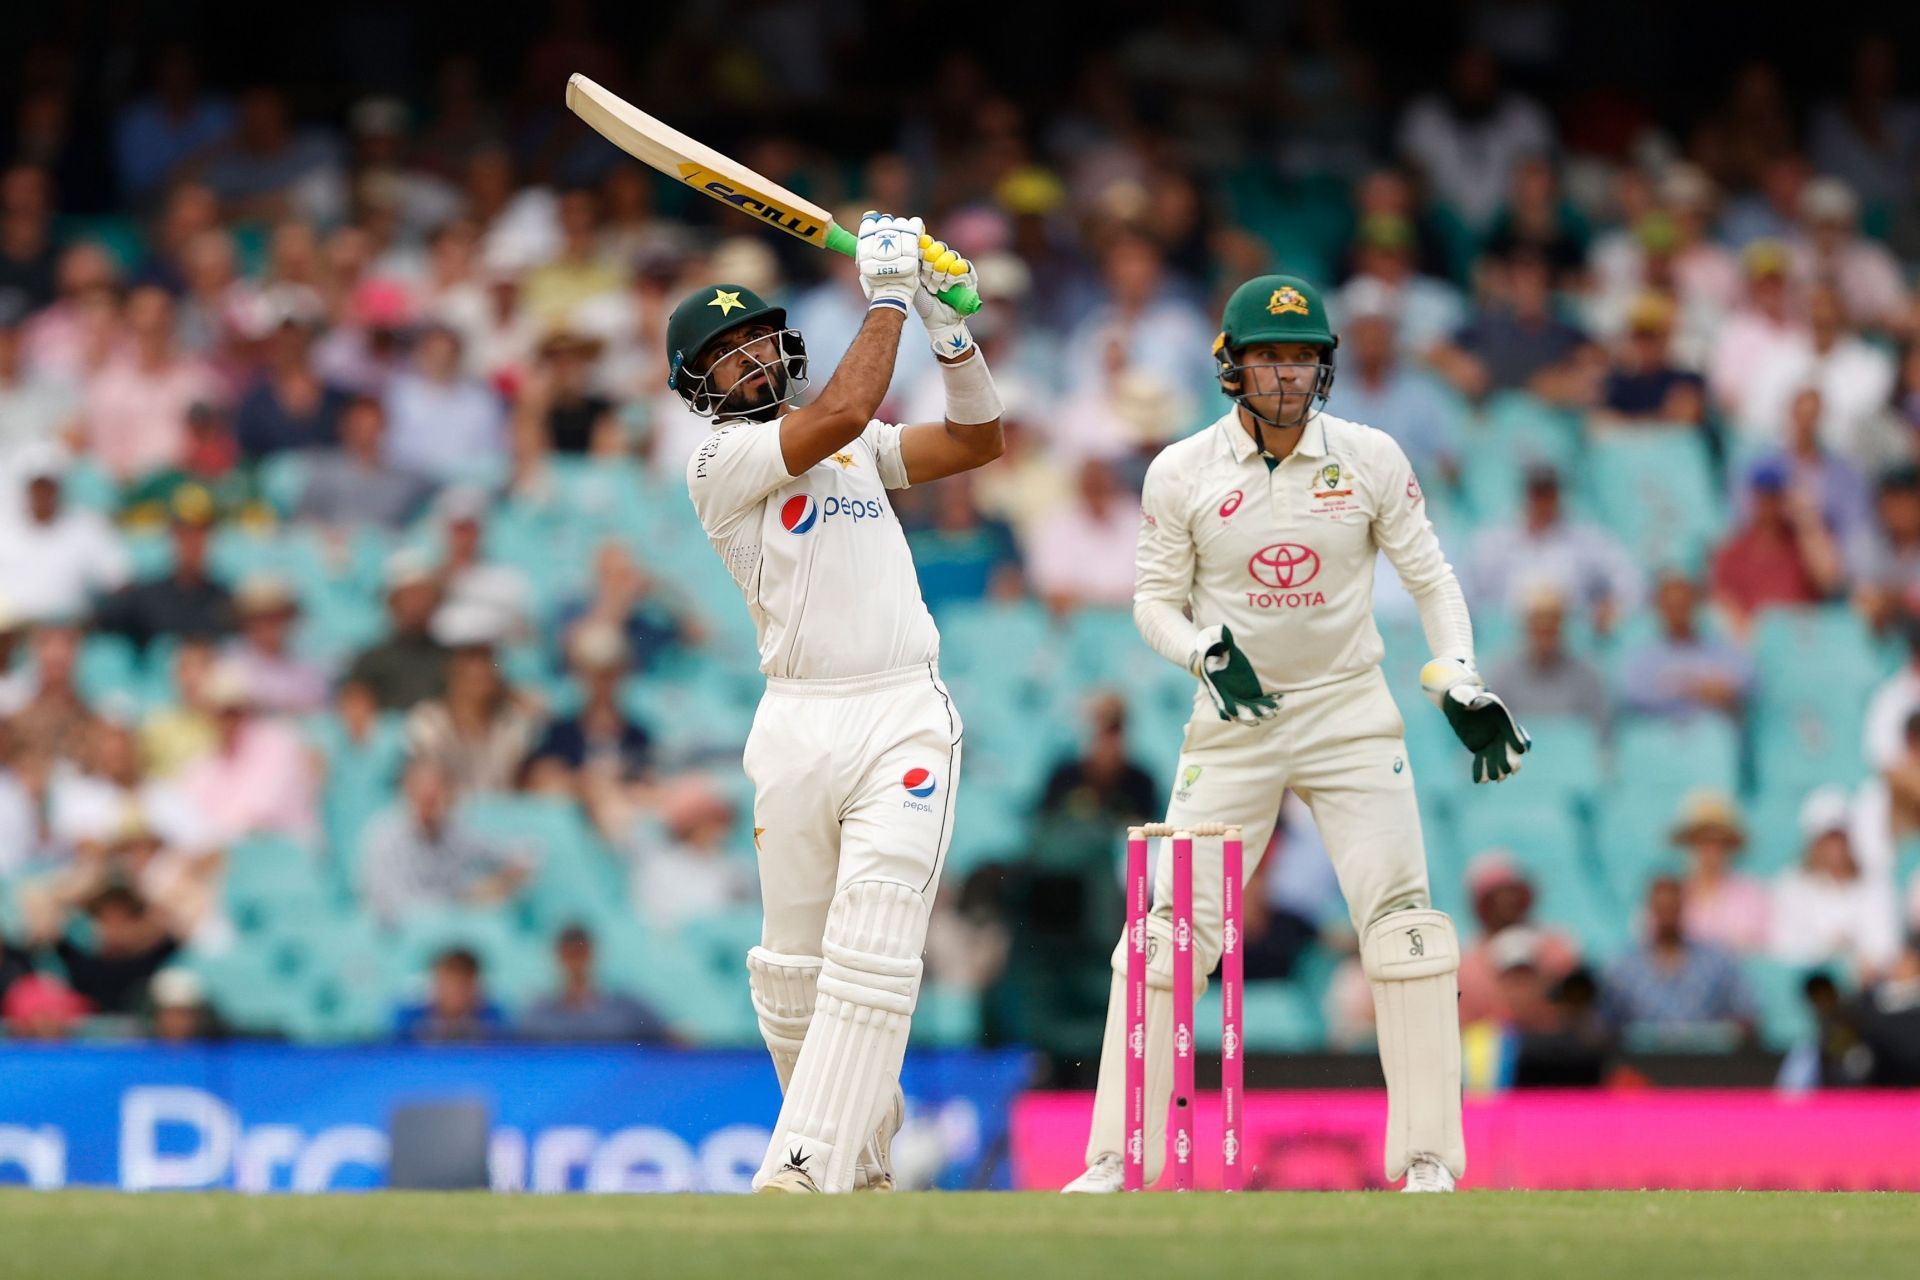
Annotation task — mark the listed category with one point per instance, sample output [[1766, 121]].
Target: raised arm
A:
[[970, 437], [888, 260]]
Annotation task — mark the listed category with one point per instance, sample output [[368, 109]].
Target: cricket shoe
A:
[[790, 1178], [1105, 1176], [874, 1172], [1426, 1174]]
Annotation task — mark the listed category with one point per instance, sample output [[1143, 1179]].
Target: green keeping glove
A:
[[1478, 718], [1229, 678]]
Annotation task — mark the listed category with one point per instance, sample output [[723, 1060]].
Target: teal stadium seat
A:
[[1655, 489], [946, 1017], [1815, 671], [270, 879], [1279, 1017]]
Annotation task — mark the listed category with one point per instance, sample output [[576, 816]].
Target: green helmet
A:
[[1273, 309], [707, 313]]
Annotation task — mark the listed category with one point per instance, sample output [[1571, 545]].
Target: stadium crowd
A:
[[363, 671]]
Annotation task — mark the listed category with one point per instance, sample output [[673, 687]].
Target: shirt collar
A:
[[1313, 441]]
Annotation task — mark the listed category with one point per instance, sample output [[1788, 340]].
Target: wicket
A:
[[1232, 1067]]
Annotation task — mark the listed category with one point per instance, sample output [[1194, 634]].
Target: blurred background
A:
[[365, 677]]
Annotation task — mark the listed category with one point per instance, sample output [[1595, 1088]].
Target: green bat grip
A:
[[959, 297]]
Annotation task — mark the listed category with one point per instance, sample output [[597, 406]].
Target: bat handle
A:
[[959, 297]]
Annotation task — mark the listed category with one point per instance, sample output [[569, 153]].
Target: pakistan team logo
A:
[[1188, 776]]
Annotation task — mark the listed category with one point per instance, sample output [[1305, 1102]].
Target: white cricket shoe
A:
[[875, 1170], [790, 1178], [1428, 1175], [1103, 1177]]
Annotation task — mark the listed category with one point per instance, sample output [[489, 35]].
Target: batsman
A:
[[1254, 571], [855, 748]]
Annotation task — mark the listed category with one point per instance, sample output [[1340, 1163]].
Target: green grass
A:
[[78, 1235]]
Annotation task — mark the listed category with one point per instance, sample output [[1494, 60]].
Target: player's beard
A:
[[756, 396]]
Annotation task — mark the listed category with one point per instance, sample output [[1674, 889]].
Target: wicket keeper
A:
[[1255, 572], [855, 749]]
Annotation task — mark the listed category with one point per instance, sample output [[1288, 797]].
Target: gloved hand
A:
[[1229, 678], [888, 259], [941, 269], [1478, 718]]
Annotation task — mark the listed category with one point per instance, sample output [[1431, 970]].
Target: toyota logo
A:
[[1284, 565]]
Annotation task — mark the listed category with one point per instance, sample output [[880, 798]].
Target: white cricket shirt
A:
[[820, 557], [1284, 556]]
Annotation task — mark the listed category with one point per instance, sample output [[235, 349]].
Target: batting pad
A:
[[1412, 958], [784, 990], [849, 1063]]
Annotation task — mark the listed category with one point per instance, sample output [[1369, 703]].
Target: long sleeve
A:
[[1402, 530], [1164, 565]]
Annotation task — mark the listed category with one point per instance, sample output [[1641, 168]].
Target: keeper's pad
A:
[[1412, 958], [849, 1064]]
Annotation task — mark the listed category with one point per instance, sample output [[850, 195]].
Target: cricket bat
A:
[[704, 169]]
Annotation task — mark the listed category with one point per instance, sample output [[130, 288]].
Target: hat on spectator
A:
[[381, 304], [378, 115], [1541, 475], [1651, 312], [1764, 258], [462, 502], [598, 646], [1705, 813], [177, 988], [1517, 946], [1004, 277], [1494, 869], [265, 594], [464, 624], [1901, 479], [1368, 299], [192, 505], [1385, 231], [10, 619], [565, 340], [408, 568], [1657, 232], [1686, 186], [1829, 200], [41, 1002], [1543, 596], [1769, 475], [39, 460], [228, 688], [1030, 191], [749, 260], [1824, 811]]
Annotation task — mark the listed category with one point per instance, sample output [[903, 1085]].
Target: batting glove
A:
[[1229, 678], [941, 269], [1478, 718], [888, 258]]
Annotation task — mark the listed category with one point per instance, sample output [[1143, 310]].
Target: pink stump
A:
[[1183, 1046], [1136, 1130], [1232, 1027]]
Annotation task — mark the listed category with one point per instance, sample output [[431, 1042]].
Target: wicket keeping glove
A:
[[941, 269], [888, 259], [1477, 717], [1229, 678]]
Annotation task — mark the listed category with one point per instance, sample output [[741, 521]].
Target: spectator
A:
[[288, 406], [961, 555], [1154, 331], [53, 716], [135, 412], [1644, 385], [1724, 908], [1672, 983], [41, 1007], [352, 485], [56, 561], [681, 870], [580, 1010], [481, 729], [365, 352], [175, 736], [1503, 905], [1885, 556], [1377, 387], [1866, 275], [470, 581], [1468, 141], [68, 340], [266, 170], [1706, 276], [580, 272], [559, 404], [457, 1008], [27, 256], [183, 601], [130, 944], [1422, 311], [420, 853], [1869, 138], [1102, 786], [28, 842], [1757, 337], [180, 1012], [1083, 554], [155, 135], [1538, 217], [259, 778], [1821, 478], [1683, 672], [1886, 809], [600, 735], [1855, 380], [636, 603], [1546, 678], [1581, 562], [442, 424], [282, 682], [210, 467], [1782, 555], [410, 665], [34, 409], [1515, 341], [1829, 910], [1885, 1019]]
